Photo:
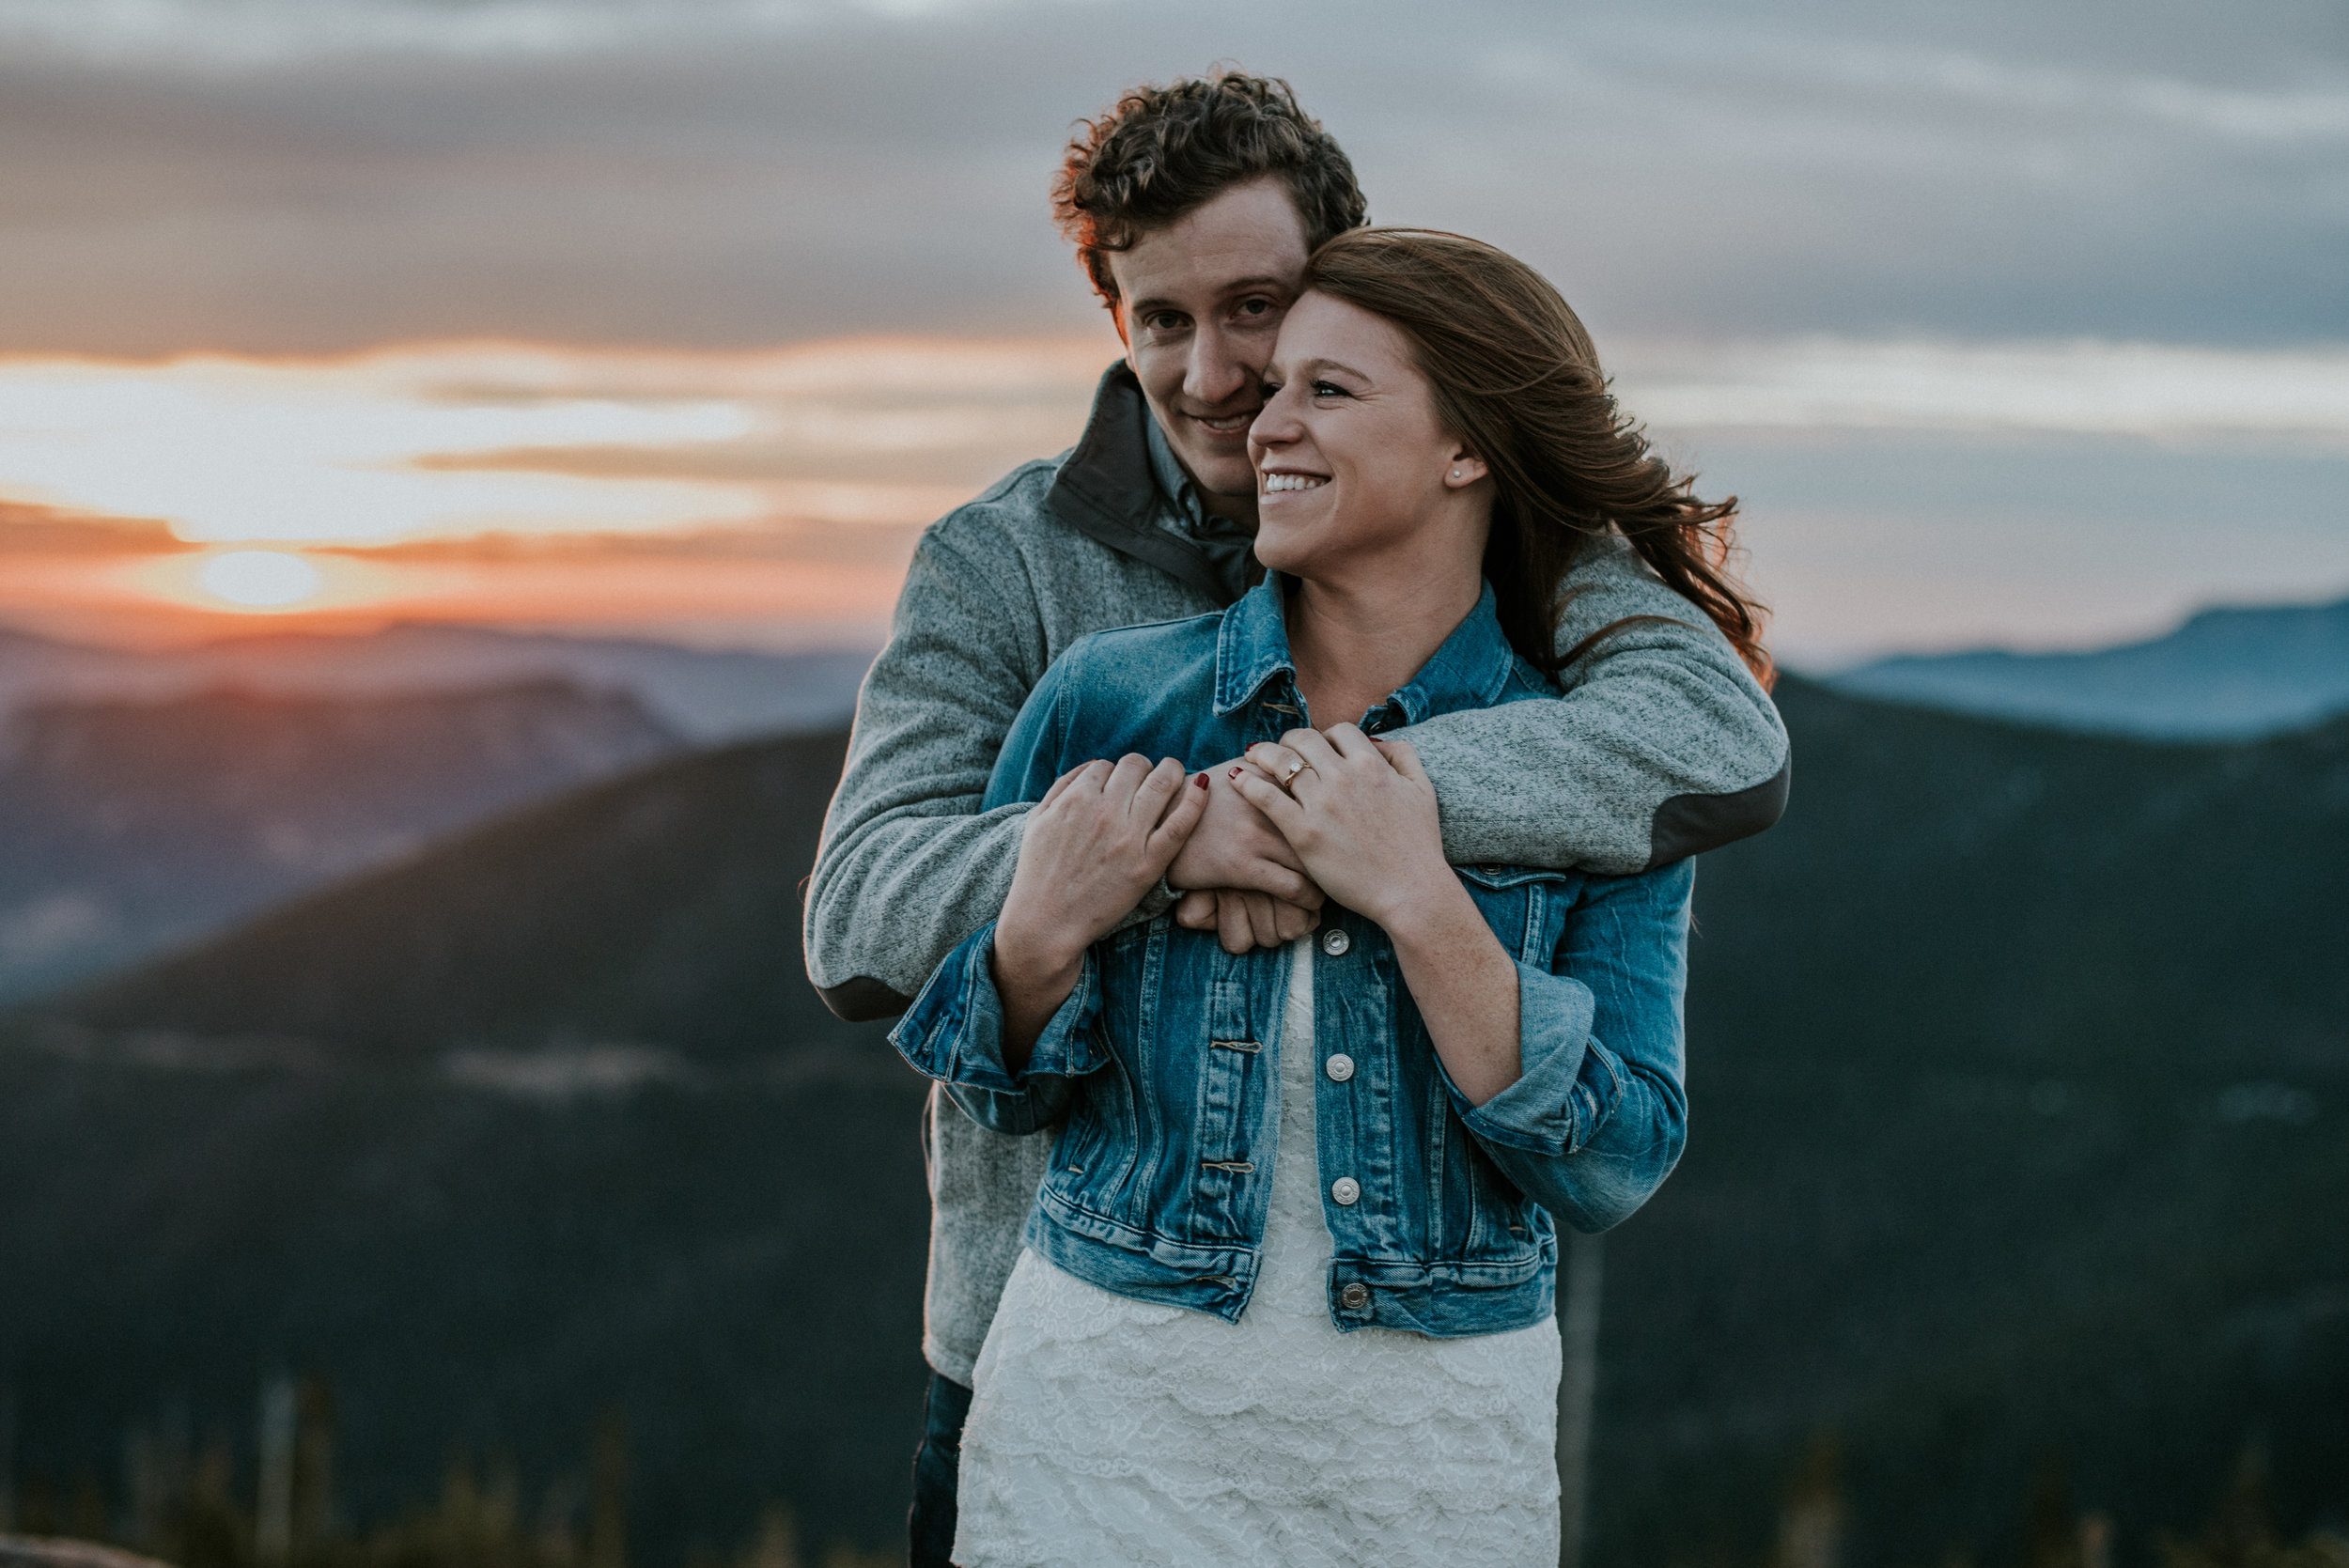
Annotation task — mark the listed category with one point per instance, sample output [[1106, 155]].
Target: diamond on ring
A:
[[1289, 774]]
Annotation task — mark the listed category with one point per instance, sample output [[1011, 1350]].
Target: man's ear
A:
[[1463, 468]]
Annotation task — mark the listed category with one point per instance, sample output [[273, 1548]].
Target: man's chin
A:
[[1222, 478]]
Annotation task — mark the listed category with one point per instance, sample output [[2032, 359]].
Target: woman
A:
[[1287, 1291]]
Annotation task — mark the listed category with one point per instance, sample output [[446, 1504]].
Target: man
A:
[[1194, 207]]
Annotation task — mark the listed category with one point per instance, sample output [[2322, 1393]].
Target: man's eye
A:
[[1255, 307], [1163, 321]]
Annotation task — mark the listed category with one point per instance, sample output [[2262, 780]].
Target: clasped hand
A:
[[1360, 812], [1356, 820], [1100, 838]]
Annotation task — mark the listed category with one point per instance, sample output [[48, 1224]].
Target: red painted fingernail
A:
[[1202, 781], [1236, 772]]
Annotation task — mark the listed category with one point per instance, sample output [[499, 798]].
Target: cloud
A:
[[2084, 387], [58, 531], [459, 440], [277, 175]]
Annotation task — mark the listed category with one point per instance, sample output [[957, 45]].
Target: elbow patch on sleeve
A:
[[1686, 825], [864, 1000]]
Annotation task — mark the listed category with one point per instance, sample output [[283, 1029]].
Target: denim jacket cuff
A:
[[954, 1032], [1568, 1085]]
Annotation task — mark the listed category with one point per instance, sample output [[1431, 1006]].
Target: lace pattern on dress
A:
[[1110, 1431]]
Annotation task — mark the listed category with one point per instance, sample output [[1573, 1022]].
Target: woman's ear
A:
[[1464, 469]]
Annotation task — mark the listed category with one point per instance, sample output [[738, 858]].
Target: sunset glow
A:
[[773, 497], [496, 482]]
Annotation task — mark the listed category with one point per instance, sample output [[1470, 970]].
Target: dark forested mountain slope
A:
[[662, 907], [545, 1121], [2017, 1068]]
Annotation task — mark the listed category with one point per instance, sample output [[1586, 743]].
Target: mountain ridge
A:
[[709, 696], [128, 824], [2231, 673]]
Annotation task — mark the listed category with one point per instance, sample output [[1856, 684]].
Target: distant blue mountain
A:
[[2225, 675], [707, 697]]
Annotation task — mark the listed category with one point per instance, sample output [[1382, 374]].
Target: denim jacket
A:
[[1162, 1066]]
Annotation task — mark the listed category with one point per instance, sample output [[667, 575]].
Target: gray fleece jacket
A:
[[1660, 746]]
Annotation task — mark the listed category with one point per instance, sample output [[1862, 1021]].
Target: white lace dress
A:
[[1105, 1431]]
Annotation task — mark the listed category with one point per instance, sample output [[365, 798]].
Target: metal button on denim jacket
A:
[[1162, 1069]]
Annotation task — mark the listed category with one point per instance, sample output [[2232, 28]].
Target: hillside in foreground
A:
[[546, 1123], [2018, 1072]]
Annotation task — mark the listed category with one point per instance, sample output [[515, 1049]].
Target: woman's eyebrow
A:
[[1313, 365]]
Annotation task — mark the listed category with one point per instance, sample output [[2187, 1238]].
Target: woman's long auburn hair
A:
[[1515, 379]]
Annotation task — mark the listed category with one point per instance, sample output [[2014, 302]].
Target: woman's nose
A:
[[1274, 425]]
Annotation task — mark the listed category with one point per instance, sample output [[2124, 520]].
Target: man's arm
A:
[[908, 866], [1663, 745]]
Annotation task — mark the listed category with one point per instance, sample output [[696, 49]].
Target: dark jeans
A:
[[936, 1465]]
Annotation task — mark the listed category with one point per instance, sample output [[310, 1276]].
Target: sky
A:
[[2010, 323]]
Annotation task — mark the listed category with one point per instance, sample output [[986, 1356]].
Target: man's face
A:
[[1201, 303]]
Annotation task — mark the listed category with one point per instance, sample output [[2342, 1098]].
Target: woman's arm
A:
[[1362, 816], [1100, 838], [1005, 1023], [1569, 1077], [1598, 1116]]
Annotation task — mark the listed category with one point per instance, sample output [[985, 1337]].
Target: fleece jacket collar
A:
[[1107, 489]]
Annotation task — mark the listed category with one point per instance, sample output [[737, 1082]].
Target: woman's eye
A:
[[1328, 389]]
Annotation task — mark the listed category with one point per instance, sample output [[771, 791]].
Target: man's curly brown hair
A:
[[1164, 151]]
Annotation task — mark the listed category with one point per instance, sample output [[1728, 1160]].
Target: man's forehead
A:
[[1251, 238]]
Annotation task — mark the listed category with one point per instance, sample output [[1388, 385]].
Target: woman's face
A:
[[1350, 459]]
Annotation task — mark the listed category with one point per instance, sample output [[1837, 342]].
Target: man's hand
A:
[[1100, 838], [1243, 920], [1246, 884]]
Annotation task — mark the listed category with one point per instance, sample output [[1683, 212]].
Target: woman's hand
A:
[[1100, 840], [1360, 812]]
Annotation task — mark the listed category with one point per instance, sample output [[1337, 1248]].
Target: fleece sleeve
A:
[[1663, 744]]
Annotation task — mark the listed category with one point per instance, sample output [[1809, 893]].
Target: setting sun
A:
[[260, 579]]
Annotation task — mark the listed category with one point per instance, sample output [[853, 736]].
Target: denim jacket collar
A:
[[1468, 671]]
